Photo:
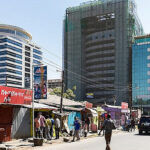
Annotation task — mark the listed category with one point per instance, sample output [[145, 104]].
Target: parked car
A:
[[144, 124]]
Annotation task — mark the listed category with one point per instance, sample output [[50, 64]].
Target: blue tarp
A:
[[71, 119]]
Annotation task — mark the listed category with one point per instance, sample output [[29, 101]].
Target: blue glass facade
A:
[[11, 47], [37, 57], [141, 71], [17, 55], [11, 41], [37, 51]]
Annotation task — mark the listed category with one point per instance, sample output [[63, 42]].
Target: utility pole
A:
[[130, 99], [33, 100], [62, 92]]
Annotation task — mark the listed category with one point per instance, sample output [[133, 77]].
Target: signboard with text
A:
[[124, 107], [15, 96], [40, 82]]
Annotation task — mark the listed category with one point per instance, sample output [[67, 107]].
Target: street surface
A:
[[120, 141]]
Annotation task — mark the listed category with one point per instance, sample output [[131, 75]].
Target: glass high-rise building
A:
[[17, 55], [97, 49], [141, 72]]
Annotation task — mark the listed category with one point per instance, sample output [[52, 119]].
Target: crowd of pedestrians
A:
[[44, 126]]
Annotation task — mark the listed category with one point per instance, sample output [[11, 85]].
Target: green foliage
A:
[[69, 94], [56, 91]]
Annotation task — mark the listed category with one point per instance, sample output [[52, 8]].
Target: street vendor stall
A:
[[115, 112], [93, 117], [100, 112]]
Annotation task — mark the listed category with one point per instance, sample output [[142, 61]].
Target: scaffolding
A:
[[98, 37]]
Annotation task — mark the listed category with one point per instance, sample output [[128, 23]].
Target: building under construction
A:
[[97, 49]]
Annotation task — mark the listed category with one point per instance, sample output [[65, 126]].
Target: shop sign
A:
[[88, 105], [124, 107], [15, 96]]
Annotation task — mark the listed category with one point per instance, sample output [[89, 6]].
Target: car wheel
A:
[[140, 132]]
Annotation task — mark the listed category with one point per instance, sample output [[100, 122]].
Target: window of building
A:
[[11, 41], [27, 75], [11, 54], [27, 65], [10, 47], [27, 59], [36, 62], [37, 51], [10, 59], [14, 82], [37, 57], [27, 54], [27, 70], [27, 48]]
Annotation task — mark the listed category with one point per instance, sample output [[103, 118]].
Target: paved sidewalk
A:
[[28, 143]]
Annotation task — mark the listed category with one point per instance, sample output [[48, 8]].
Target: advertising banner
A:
[[40, 82], [15, 95], [124, 105], [89, 95]]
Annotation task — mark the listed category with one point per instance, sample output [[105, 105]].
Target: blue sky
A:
[[43, 19]]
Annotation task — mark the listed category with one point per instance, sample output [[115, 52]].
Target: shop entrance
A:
[[6, 114]]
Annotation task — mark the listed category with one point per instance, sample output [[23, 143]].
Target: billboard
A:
[[40, 82], [15, 96]]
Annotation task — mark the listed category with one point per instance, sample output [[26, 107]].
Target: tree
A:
[[69, 94]]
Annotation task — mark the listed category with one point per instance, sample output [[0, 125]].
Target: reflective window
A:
[[7, 31], [14, 82], [37, 57], [2, 81], [11, 47], [37, 51], [11, 71], [22, 35], [10, 65], [10, 59], [11, 41], [11, 54], [10, 76], [36, 62], [140, 72]]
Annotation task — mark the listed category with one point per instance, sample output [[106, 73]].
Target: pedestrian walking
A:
[[57, 127], [132, 125], [42, 125], [87, 122], [37, 127], [51, 129], [77, 129], [128, 125], [47, 128], [108, 126], [101, 124]]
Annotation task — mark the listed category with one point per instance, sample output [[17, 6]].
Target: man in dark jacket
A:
[[108, 126]]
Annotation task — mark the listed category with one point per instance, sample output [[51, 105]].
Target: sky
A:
[[44, 20]]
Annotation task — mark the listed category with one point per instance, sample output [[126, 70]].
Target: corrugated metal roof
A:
[[41, 106], [55, 100]]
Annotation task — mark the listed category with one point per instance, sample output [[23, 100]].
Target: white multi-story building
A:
[[17, 56]]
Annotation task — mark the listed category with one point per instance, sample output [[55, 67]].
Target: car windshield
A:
[[145, 119]]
